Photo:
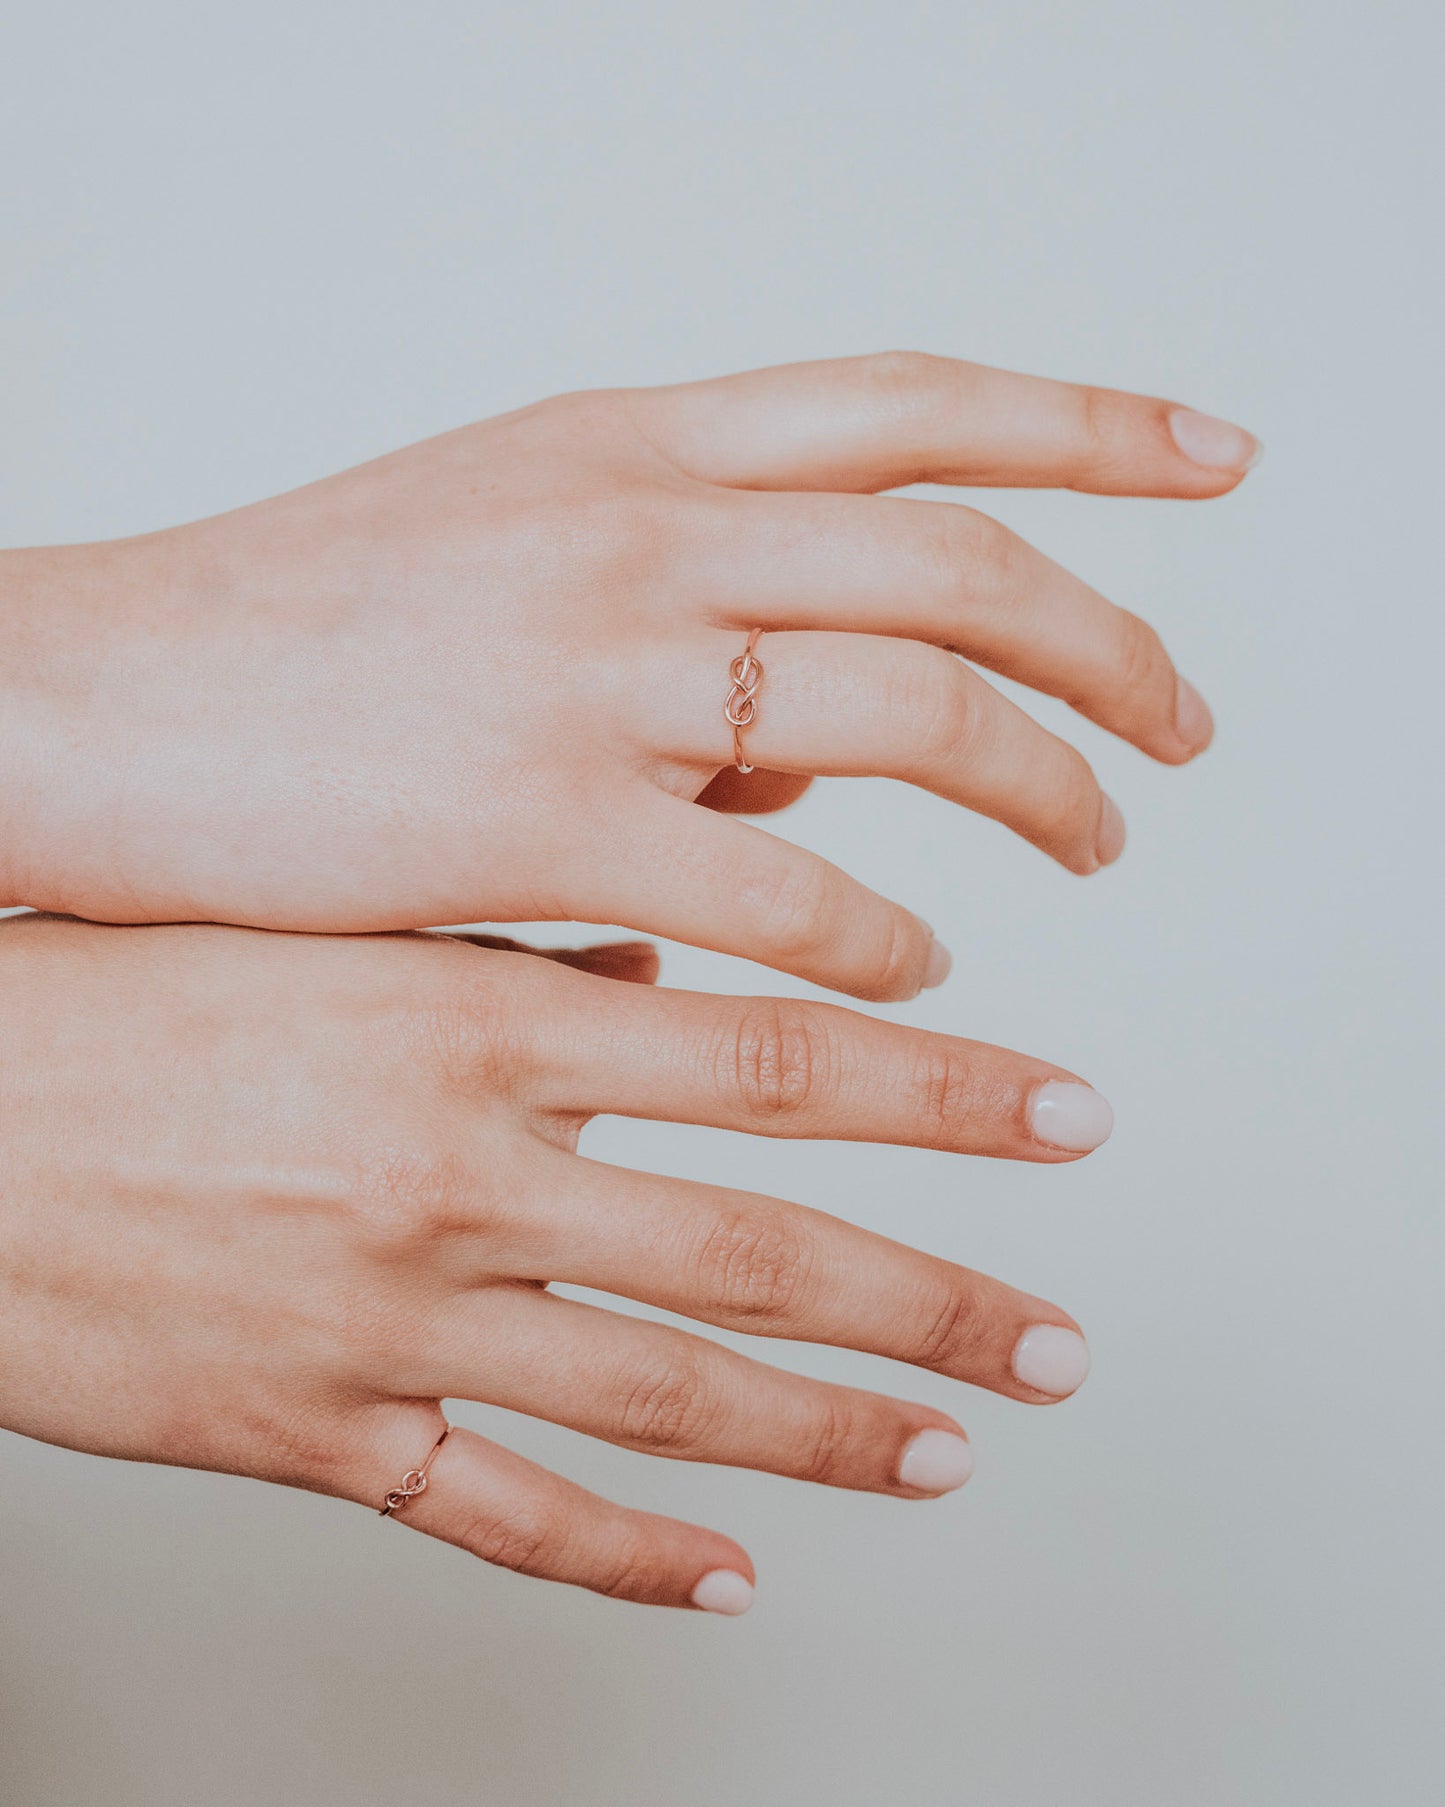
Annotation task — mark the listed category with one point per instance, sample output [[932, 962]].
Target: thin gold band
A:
[[746, 672], [413, 1481]]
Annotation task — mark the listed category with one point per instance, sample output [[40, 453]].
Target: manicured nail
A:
[[936, 1462], [1109, 843], [1065, 1114], [1192, 721], [940, 965], [724, 1591], [1051, 1360], [1216, 444]]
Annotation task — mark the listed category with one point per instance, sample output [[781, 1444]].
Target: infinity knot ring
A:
[[413, 1481], [746, 672]]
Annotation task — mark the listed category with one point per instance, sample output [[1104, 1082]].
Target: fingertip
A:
[[1217, 446], [727, 1592], [1193, 720], [936, 1461], [912, 960], [1051, 1360], [1067, 1115], [1111, 833]]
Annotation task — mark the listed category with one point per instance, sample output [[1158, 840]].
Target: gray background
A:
[[244, 246]]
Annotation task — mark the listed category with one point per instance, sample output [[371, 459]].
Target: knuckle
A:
[[954, 1328], [909, 379], [628, 530], [409, 1197], [781, 1058], [1072, 813], [809, 913], [630, 1573], [753, 1267], [667, 1409], [1100, 425], [527, 1538], [947, 1087], [975, 543], [799, 910], [934, 707], [594, 420], [1143, 670], [472, 1037], [825, 1452], [897, 970]]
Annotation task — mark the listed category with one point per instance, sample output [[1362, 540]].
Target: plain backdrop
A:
[[244, 246]]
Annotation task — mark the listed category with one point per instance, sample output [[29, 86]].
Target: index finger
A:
[[782, 1067], [894, 418]]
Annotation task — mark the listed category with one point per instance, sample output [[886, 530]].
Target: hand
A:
[[483, 678], [266, 1200]]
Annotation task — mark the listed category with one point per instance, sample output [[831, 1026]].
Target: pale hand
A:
[[483, 679], [267, 1200]]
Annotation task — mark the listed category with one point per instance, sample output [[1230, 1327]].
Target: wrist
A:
[[48, 640]]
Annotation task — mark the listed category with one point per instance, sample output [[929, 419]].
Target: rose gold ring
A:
[[746, 672], [413, 1481]]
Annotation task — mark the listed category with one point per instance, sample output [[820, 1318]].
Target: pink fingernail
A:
[[1192, 721], [723, 1591], [1065, 1114], [1111, 834], [940, 965], [935, 1461], [1216, 444], [1052, 1360]]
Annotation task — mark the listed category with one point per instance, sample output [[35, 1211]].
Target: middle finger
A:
[[772, 1268], [945, 573]]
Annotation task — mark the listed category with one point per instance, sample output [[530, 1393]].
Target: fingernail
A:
[[1192, 721], [1216, 444], [940, 965], [935, 1462], [1111, 833], [724, 1591], [1065, 1114], [1052, 1360]]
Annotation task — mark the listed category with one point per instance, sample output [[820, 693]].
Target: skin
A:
[[482, 678], [266, 1200]]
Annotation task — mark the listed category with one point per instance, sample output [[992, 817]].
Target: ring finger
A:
[[771, 1268], [662, 1391], [861, 705]]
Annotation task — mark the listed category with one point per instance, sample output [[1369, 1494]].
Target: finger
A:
[[755, 793], [771, 1268], [512, 1513], [864, 705], [940, 572], [782, 1067], [662, 1391], [670, 868], [635, 962], [875, 423]]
